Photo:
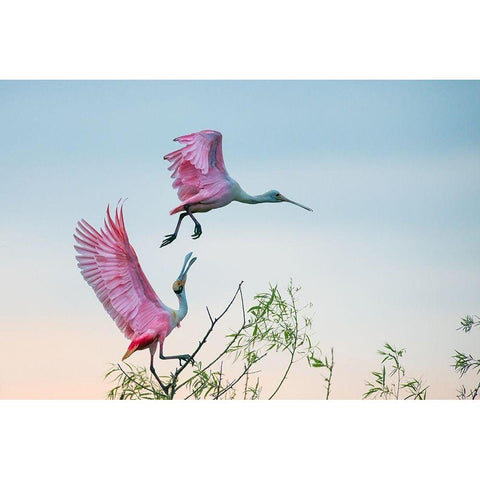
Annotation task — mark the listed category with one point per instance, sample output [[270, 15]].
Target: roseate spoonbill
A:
[[203, 182], [110, 266]]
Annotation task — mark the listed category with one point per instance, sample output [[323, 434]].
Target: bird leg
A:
[[186, 358], [170, 238], [198, 228], [164, 388]]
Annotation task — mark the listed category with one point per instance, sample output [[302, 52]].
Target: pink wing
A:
[[110, 266], [197, 165]]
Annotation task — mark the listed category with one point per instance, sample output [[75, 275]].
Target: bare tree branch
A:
[[213, 322]]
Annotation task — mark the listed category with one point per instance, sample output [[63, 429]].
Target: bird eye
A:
[[177, 287]]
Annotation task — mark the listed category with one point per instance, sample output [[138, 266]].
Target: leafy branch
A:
[[275, 324], [468, 322], [135, 385], [327, 363], [465, 361], [380, 387]]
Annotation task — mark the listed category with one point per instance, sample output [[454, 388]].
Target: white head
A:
[[274, 196], [179, 283]]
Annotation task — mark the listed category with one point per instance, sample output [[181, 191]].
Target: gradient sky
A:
[[391, 170]]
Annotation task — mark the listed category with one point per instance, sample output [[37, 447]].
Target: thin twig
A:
[[246, 387], [219, 379], [475, 391], [398, 380], [329, 380]]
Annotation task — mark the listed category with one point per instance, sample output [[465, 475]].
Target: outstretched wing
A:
[[197, 165], [110, 266]]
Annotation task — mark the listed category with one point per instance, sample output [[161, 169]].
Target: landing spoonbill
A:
[[203, 182], [110, 266]]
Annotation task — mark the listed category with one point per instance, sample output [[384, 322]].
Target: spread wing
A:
[[110, 266], [197, 165]]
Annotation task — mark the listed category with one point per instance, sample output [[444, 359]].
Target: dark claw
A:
[[168, 239], [197, 232], [185, 358]]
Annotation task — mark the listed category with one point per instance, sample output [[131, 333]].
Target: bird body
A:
[[110, 266], [224, 193], [202, 181]]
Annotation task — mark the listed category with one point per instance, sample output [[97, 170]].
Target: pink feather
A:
[[198, 167], [110, 266]]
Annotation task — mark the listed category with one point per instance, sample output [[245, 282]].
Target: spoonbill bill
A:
[[110, 266], [203, 182]]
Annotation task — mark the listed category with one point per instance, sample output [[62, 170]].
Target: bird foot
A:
[[168, 239], [197, 232], [186, 358]]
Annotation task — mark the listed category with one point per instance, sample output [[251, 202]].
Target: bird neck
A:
[[182, 306], [244, 197]]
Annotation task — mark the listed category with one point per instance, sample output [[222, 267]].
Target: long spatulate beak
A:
[[285, 199], [185, 268]]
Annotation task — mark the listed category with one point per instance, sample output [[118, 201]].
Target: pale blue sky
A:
[[391, 170]]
